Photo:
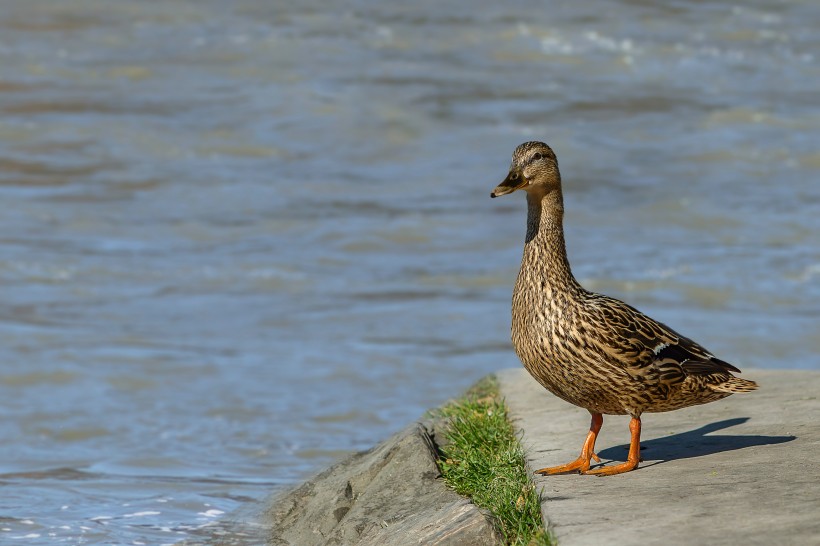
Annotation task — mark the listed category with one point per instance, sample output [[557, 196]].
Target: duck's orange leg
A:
[[632, 459], [582, 463]]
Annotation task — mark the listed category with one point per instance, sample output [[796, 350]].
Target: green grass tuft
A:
[[483, 459]]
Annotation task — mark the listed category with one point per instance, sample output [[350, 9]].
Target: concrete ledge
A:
[[743, 470], [390, 495]]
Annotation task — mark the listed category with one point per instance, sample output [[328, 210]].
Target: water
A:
[[241, 239]]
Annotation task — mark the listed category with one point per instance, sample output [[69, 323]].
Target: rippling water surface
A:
[[240, 239]]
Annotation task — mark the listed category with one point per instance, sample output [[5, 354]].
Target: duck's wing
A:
[[691, 357], [647, 348]]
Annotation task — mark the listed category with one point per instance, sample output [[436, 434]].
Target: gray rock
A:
[[390, 495]]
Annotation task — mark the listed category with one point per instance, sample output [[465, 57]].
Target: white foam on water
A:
[[212, 513], [142, 514]]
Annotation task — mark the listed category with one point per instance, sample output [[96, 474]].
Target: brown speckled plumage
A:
[[589, 349]]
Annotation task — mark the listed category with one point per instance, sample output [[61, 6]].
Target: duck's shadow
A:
[[694, 443]]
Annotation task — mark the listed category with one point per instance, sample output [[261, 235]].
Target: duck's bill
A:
[[514, 181]]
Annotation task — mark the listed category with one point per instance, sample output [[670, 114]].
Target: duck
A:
[[591, 350]]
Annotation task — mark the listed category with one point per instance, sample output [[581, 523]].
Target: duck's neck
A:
[[545, 262]]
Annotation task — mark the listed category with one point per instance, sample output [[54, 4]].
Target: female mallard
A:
[[591, 350]]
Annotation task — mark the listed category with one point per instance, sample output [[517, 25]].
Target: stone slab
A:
[[743, 470], [390, 495]]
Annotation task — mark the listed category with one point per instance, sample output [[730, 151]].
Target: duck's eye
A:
[[536, 156]]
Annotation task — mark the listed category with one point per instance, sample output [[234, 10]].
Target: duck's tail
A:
[[734, 384]]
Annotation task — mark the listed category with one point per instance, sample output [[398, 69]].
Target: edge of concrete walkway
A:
[[743, 470]]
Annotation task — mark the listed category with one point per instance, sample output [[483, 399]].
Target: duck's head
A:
[[534, 169]]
